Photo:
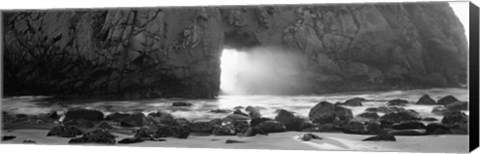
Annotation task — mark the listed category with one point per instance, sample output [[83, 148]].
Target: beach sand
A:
[[278, 141]]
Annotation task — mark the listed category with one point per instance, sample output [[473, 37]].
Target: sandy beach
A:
[[278, 141]]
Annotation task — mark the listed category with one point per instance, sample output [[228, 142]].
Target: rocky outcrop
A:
[[175, 52]]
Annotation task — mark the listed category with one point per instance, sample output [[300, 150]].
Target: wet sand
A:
[[278, 141]]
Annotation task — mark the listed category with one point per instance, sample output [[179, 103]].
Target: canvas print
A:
[[349, 77]]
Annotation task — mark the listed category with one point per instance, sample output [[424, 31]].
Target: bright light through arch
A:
[[229, 70]]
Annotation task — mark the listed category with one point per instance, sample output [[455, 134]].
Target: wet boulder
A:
[[131, 140], [397, 102], [181, 132], [390, 118], [116, 116], [64, 131], [103, 125], [456, 121], [134, 120], [371, 109], [253, 112], [373, 127], [426, 100], [91, 115], [220, 111], [181, 122], [257, 121], [354, 127], [79, 123], [447, 100], [367, 116], [429, 119], [408, 132], [181, 104], [271, 126], [239, 112], [408, 125], [357, 101], [457, 106], [234, 117], [240, 126], [252, 132], [325, 112], [97, 136], [381, 137], [439, 110], [437, 128], [223, 130], [390, 109], [161, 118], [201, 127], [8, 137], [291, 121], [309, 136]]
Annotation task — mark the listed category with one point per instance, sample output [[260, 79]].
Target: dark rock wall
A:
[[174, 52]]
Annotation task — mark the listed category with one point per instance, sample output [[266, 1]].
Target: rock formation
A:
[[175, 52]]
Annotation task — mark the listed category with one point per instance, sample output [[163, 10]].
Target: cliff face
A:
[[175, 52]]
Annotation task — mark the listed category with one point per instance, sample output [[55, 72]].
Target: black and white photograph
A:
[[358, 76]]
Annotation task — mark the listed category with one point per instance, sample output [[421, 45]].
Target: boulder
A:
[[291, 121], [454, 117], [131, 140], [253, 112], [447, 100], [429, 119], [256, 122], [408, 125], [91, 115], [96, 136], [456, 121], [381, 137], [201, 127], [357, 101], [325, 112], [220, 111], [368, 116], [408, 132], [371, 109], [240, 126], [457, 106], [103, 125], [162, 118], [390, 118], [397, 102], [8, 137], [426, 100], [322, 128], [181, 104], [134, 120], [373, 127], [390, 109], [223, 130], [79, 123], [354, 127], [180, 122], [146, 133], [64, 131], [239, 112], [228, 141], [216, 121], [181, 132], [437, 128], [308, 137], [271, 126], [234, 117], [439, 110], [116, 116]]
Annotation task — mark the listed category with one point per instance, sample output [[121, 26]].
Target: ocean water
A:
[[265, 103]]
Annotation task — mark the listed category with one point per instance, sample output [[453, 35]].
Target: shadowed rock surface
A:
[[175, 52]]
